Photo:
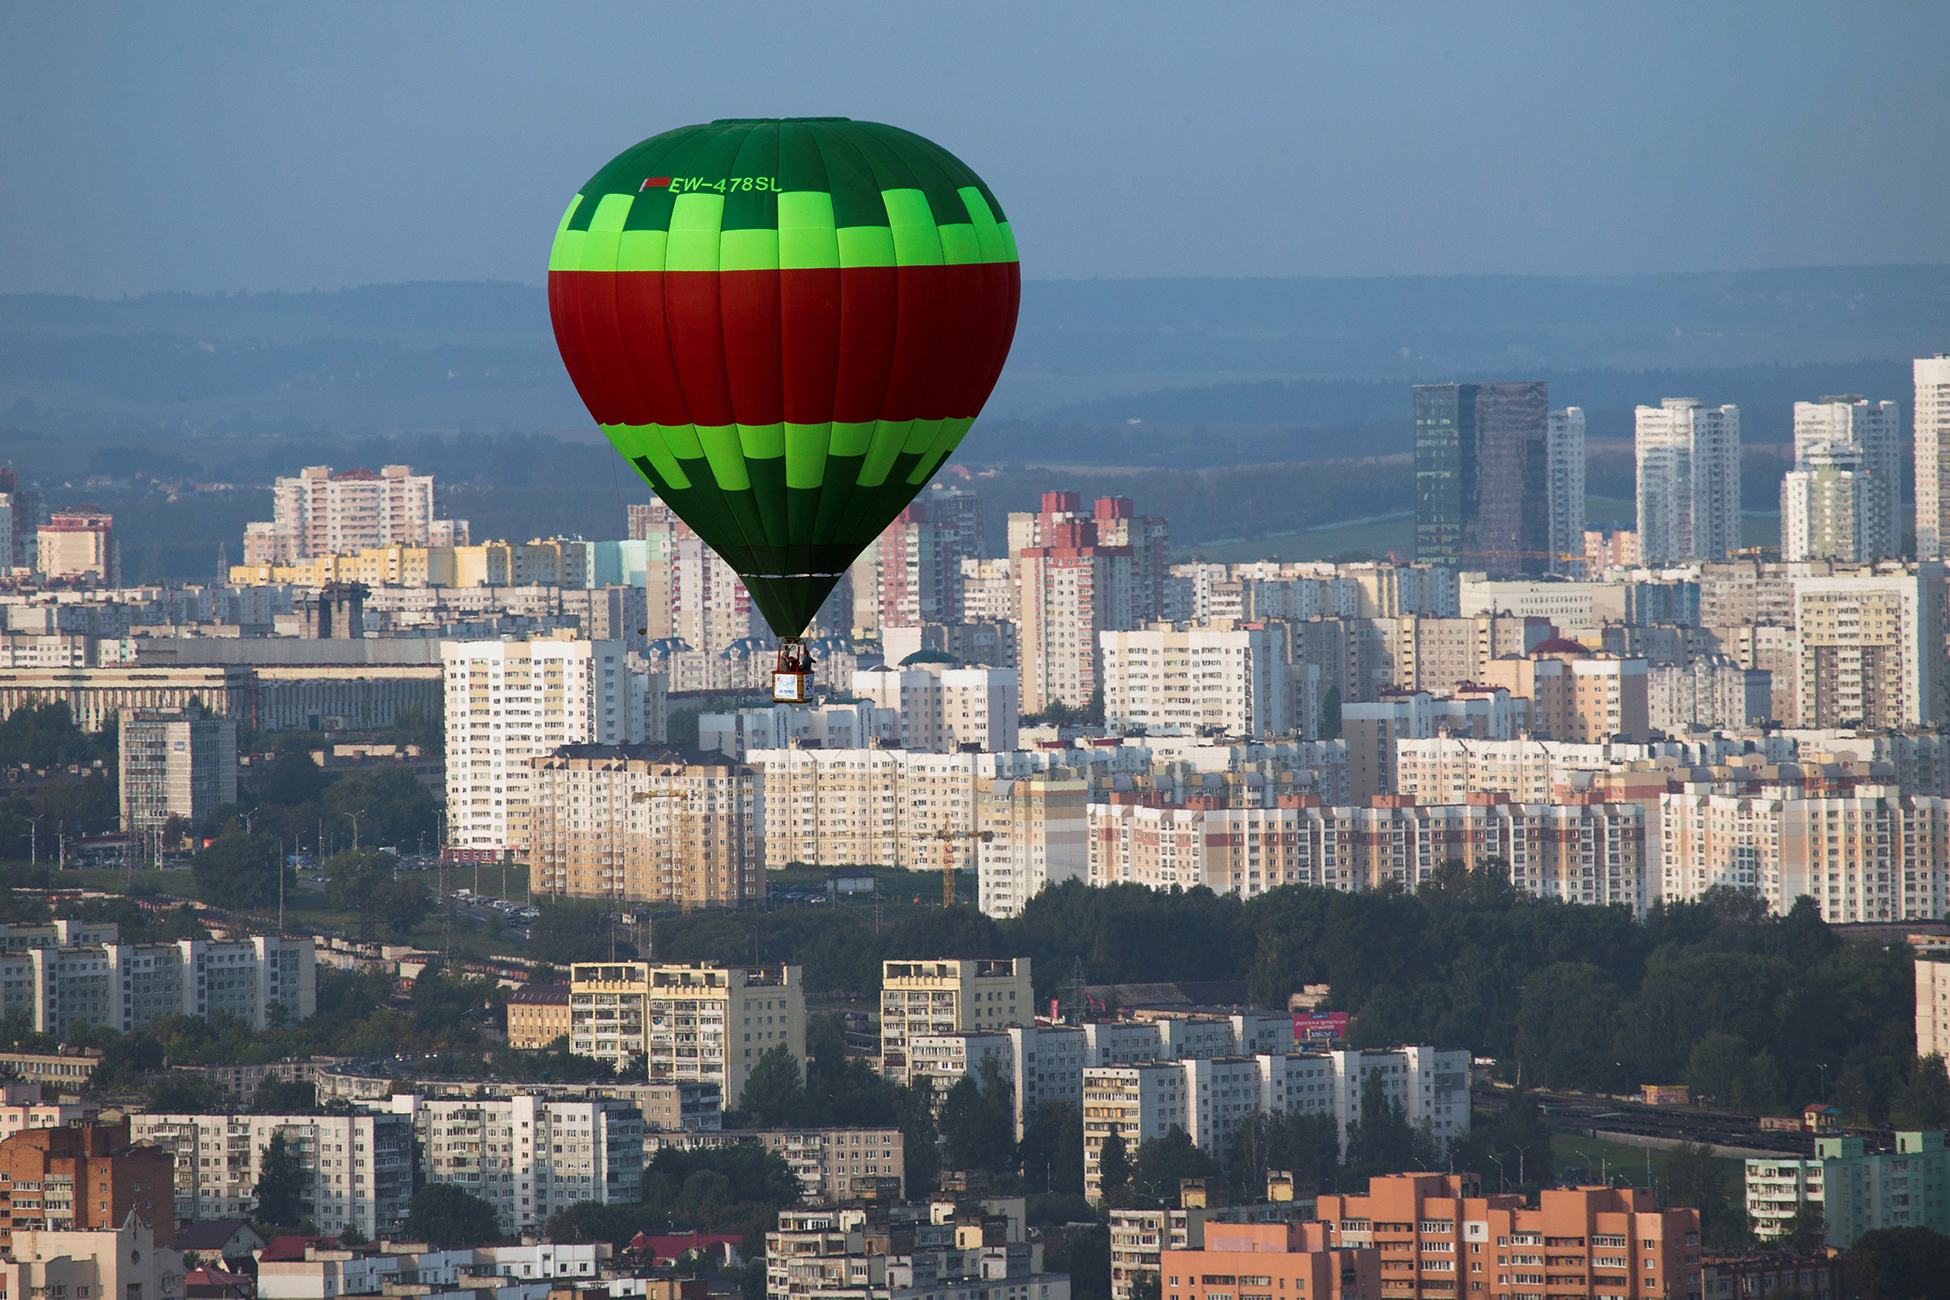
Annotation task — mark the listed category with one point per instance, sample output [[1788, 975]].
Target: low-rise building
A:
[[538, 1014], [174, 764], [949, 997], [1765, 1273], [1856, 1189], [1139, 1238], [129, 1261], [86, 1177], [128, 986], [1296, 1259]]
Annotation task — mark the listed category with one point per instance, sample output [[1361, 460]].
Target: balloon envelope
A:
[[786, 326]]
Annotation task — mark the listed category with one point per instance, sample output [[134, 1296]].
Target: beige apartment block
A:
[[1068, 594], [1036, 828], [1932, 1008], [322, 512], [840, 807], [1870, 645], [697, 1021], [1577, 693], [1587, 852], [1863, 853], [642, 824], [949, 997], [1233, 680]]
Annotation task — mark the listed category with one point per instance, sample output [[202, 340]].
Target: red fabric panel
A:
[[565, 314], [809, 323], [602, 338], [752, 341], [962, 344], [917, 340], [697, 344], [641, 316], [869, 317]]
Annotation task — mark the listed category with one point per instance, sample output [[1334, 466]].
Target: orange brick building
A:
[[1438, 1238], [1269, 1261], [87, 1176]]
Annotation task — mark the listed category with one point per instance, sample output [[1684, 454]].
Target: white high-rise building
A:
[[320, 512], [1874, 429], [709, 606], [1235, 680], [944, 705], [510, 701], [1688, 480], [1932, 455], [1832, 507], [1564, 459]]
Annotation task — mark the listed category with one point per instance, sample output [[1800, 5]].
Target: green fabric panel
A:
[[727, 456], [750, 249], [565, 254], [634, 440], [600, 240], [747, 524], [801, 508], [842, 472], [850, 180], [932, 170], [671, 155], [889, 436], [1008, 242], [694, 237], [959, 245], [986, 235], [751, 200], [801, 167], [866, 246], [917, 240], [805, 455], [921, 435], [853, 439], [767, 475], [683, 440], [808, 239], [762, 440], [641, 250], [946, 440]]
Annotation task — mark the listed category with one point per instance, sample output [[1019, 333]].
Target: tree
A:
[[1113, 1164], [276, 1097], [239, 869], [392, 806], [403, 904], [978, 1120], [772, 1092], [1565, 1027], [1924, 1101], [1381, 1140], [1330, 714], [1805, 1232], [1051, 1150], [1087, 1260], [355, 878], [1897, 1264], [279, 1180], [1694, 1178], [914, 1112], [1162, 1163], [446, 1217]]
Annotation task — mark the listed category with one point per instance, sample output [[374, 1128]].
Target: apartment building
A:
[[1069, 592], [78, 544], [1589, 851], [1862, 852], [1870, 647], [320, 512], [530, 1155], [943, 704], [1612, 548], [82, 1178], [1873, 431], [646, 823], [128, 986], [1688, 458], [1445, 769], [128, 1258], [98, 696], [1932, 430], [1035, 828], [511, 702], [1932, 1006], [988, 592], [709, 606], [1434, 1233], [1564, 442], [1482, 485], [1831, 508], [1857, 1190], [22, 1106], [1300, 1256], [949, 997], [357, 1169], [1712, 692], [1373, 731], [1136, 1102], [538, 1014], [695, 1021], [1233, 680], [838, 1164], [1139, 1238], [174, 763], [1577, 693]]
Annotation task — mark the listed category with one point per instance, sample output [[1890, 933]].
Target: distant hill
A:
[[1326, 354]]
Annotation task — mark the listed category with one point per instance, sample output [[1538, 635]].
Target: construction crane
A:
[[947, 838], [685, 900]]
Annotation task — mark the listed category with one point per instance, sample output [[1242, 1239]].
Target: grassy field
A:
[[1622, 1163]]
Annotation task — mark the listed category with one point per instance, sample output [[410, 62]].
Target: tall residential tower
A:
[[1932, 454], [1482, 477], [1875, 431], [1688, 480]]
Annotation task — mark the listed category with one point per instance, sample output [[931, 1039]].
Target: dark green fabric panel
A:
[[927, 170], [767, 474], [802, 512], [834, 497], [801, 166], [758, 158], [672, 157], [855, 189]]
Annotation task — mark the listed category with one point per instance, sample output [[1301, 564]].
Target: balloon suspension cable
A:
[[792, 678]]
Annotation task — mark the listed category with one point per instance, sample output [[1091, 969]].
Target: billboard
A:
[[1319, 1026]]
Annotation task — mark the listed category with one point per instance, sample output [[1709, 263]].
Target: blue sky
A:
[[148, 146]]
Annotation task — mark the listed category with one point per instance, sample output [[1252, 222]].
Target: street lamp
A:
[[1501, 1182]]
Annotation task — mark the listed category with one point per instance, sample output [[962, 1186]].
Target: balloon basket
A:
[[792, 679]]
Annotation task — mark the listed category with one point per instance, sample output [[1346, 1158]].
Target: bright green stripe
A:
[[808, 238], [605, 228], [1008, 242], [921, 435], [641, 250], [683, 440], [947, 437], [959, 246], [917, 240], [762, 441], [751, 249], [695, 220], [805, 454], [727, 456], [889, 436], [647, 440], [853, 439], [866, 246], [566, 253], [986, 234]]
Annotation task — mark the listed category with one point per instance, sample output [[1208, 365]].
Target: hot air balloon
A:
[[786, 325]]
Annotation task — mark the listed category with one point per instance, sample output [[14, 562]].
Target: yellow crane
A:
[[685, 897], [947, 838]]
